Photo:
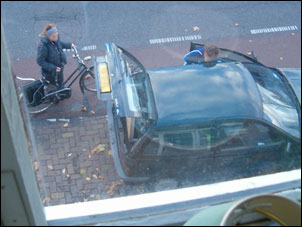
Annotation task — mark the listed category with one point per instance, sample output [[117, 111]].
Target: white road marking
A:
[[52, 120], [274, 29], [175, 39], [91, 47], [64, 119]]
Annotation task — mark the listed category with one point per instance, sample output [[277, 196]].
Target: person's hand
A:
[[58, 69], [73, 46]]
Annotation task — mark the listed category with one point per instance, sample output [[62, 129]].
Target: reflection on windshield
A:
[[137, 85], [278, 107], [279, 113], [132, 95]]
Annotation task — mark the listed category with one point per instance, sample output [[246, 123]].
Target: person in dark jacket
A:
[[51, 57], [199, 55]]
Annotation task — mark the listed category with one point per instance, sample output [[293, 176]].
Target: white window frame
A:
[[172, 206]]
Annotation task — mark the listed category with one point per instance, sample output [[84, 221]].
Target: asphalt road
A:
[[133, 24], [157, 33]]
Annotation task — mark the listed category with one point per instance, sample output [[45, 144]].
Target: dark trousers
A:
[[56, 78]]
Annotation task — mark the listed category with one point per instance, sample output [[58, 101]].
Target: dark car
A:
[[234, 113]]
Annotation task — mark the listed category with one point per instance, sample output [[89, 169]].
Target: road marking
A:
[[52, 119], [274, 29], [91, 47], [175, 39]]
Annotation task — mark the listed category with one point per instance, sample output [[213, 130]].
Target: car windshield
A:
[[278, 107]]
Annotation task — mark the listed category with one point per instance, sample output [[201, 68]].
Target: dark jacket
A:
[[49, 58]]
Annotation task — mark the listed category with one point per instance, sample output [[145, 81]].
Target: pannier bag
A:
[[33, 92]]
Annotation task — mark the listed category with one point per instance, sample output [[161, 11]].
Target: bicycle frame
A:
[[81, 67], [84, 68]]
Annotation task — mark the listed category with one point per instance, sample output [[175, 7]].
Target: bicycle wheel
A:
[[33, 110], [87, 81]]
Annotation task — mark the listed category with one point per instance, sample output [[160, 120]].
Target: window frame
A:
[[140, 208], [172, 206]]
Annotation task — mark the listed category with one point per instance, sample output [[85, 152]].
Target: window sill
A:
[[170, 207]]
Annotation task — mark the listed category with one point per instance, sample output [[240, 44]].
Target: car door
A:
[[250, 147], [178, 153]]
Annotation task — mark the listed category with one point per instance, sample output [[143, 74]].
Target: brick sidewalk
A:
[[68, 168]]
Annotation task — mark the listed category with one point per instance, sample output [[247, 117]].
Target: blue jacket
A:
[[195, 56]]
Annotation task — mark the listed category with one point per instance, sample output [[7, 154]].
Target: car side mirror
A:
[[87, 58]]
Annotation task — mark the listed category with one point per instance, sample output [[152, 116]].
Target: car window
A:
[[271, 81], [278, 106], [139, 95], [233, 134], [228, 134], [138, 85], [180, 140], [205, 137], [249, 134], [141, 124], [134, 128], [152, 148]]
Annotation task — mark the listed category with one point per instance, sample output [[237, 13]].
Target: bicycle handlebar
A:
[[75, 50], [78, 56]]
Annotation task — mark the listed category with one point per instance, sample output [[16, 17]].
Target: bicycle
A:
[[38, 95]]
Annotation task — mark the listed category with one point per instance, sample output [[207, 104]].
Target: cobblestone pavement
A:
[[73, 161]]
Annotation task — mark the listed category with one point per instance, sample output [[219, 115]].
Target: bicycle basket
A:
[[33, 92]]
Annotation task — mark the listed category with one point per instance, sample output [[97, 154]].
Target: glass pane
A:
[[230, 117], [278, 105], [180, 140]]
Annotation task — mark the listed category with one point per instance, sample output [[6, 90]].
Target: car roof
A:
[[195, 93]]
